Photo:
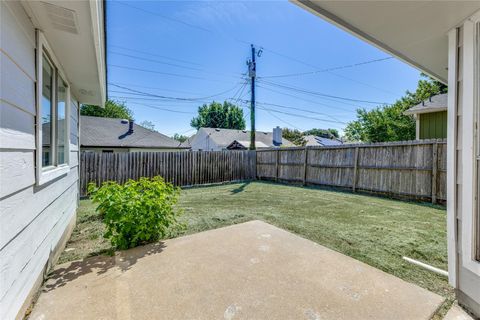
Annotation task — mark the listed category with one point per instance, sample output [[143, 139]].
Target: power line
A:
[[164, 16], [163, 109], [154, 61], [173, 98], [326, 69], [167, 73], [153, 88], [157, 72], [286, 122], [312, 101], [299, 109], [319, 93], [301, 116], [155, 55]]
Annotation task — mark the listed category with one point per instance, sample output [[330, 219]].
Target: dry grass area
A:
[[377, 231]]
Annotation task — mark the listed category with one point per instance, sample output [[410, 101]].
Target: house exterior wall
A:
[[35, 221], [433, 125], [462, 185], [203, 142]]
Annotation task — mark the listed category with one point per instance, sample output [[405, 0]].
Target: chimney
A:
[[277, 136], [130, 126]]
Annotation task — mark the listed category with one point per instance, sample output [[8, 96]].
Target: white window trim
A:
[[452, 157], [470, 107], [46, 174]]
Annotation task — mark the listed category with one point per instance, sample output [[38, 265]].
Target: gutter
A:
[[105, 44]]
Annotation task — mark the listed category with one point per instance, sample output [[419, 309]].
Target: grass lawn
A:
[[377, 231]]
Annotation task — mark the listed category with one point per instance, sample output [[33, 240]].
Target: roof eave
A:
[[344, 25]]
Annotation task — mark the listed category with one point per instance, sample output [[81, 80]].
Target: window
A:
[[53, 98], [46, 111]]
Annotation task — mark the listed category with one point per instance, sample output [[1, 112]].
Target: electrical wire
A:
[[311, 101], [154, 55], [315, 93], [154, 61], [163, 16], [163, 109], [326, 69], [148, 94], [300, 116]]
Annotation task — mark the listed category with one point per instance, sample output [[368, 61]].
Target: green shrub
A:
[[136, 212]]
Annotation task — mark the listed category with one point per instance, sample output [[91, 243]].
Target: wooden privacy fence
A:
[[180, 168], [411, 169]]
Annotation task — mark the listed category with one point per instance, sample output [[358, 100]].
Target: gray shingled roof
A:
[[434, 104], [321, 141], [109, 132], [224, 137]]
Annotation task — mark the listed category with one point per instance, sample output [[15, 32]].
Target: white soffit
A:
[[74, 31], [413, 31]]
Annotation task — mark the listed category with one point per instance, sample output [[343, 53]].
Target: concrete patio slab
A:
[[247, 271], [457, 313]]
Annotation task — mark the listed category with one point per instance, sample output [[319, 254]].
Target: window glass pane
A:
[[61, 121], [46, 112]]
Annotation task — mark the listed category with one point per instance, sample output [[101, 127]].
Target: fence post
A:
[[305, 164], [276, 164], [434, 171], [355, 170]]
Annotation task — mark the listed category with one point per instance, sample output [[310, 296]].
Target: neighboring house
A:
[[431, 117], [52, 58], [321, 141], [116, 135], [214, 139], [441, 38]]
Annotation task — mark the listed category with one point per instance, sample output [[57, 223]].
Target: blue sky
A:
[[197, 49]]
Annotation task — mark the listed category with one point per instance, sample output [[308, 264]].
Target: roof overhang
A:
[[75, 32], [413, 31], [424, 110]]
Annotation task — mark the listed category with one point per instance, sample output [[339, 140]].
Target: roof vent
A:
[[61, 18], [244, 131], [124, 121], [217, 129]]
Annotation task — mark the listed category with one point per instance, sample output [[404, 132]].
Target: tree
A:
[[294, 136], [326, 133], [179, 137], [112, 109], [148, 124], [217, 115], [388, 123]]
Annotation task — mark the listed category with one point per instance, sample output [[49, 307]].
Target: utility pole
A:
[[252, 70]]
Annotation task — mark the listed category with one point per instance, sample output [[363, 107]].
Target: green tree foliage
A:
[[112, 109], [326, 133], [179, 137], [217, 115], [388, 123], [294, 136], [138, 212]]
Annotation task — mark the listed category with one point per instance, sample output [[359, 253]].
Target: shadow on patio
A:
[[246, 271]]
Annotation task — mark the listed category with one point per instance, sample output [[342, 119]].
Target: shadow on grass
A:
[[122, 260], [363, 193], [240, 188]]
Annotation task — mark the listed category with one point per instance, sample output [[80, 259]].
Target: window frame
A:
[[49, 173]]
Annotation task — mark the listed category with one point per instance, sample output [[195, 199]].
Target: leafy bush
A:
[[136, 212]]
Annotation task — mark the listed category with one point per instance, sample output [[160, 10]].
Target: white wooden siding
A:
[[17, 128], [32, 218], [460, 168]]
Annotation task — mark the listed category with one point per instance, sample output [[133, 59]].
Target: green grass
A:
[[377, 231]]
